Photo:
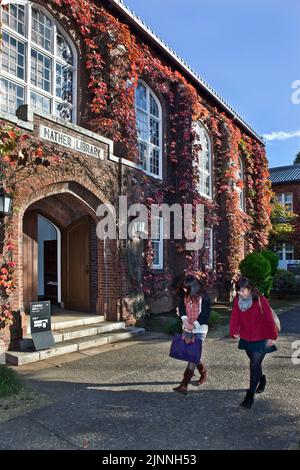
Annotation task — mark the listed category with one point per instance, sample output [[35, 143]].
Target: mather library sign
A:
[[71, 142]]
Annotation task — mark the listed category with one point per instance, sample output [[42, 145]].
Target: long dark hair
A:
[[194, 288], [244, 282]]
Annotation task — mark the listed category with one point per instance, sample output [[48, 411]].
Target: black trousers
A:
[[256, 360]]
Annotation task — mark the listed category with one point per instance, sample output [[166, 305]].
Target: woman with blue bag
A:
[[194, 310]]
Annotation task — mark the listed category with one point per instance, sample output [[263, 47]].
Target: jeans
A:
[[256, 360]]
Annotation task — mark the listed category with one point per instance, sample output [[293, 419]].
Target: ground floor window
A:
[[209, 247], [285, 251], [157, 242]]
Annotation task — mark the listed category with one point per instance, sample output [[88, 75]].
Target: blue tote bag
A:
[[188, 352]]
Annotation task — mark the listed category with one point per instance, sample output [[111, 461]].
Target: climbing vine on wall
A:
[[115, 59]]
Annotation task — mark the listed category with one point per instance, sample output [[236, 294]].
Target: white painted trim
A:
[[210, 172], [149, 145]]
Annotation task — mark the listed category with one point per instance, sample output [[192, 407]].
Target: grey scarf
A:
[[244, 304]]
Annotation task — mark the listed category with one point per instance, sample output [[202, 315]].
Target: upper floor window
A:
[[149, 128], [240, 186], [286, 200], [205, 160], [38, 62]]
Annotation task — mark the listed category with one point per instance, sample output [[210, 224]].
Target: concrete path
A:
[[123, 399]]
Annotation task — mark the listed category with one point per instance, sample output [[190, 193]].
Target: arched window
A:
[[205, 160], [240, 187], [38, 62], [149, 128]]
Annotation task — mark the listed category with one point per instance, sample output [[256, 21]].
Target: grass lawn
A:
[[21, 403], [16, 398]]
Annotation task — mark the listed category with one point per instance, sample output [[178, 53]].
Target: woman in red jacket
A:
[[252, 321]]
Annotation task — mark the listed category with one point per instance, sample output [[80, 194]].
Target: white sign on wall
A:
[[71, 142]]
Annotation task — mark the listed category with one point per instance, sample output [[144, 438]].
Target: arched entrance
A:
[[60, 253]]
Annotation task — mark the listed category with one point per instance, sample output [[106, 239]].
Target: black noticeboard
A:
[[40, 324]]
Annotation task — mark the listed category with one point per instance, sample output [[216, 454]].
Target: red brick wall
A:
[[77, 185]]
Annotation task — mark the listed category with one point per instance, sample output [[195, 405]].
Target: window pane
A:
[[154, 132], [13, 56], [11, 96], [40, 102], [41, 70], [208, 243], [141, 96], [156, 253], [63, 49], [14, 18], [154, 162], [155, 228], [64, 83], [156, 235], [288, 207], [289, 256], [288, 197], [142, 125], [64, 111], [143, 155], [41, 30], [154, 110]]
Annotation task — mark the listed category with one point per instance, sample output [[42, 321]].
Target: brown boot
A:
[[203, 374], [182, 388]]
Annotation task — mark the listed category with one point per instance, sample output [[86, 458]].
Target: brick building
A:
[[286, 184], [56, 73]]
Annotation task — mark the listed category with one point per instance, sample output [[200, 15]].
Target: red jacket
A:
[[252, 325]]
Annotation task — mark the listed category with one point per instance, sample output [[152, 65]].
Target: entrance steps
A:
[[73, 335]]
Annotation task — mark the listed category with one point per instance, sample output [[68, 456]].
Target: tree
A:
[[273, 259], [297, 159], [257, 269], [283, 221]]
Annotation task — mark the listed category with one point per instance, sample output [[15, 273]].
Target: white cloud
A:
[[282, 135]]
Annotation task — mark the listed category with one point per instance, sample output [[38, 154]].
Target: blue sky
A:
[[248, 50]]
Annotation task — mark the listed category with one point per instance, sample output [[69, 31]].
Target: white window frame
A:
[[241, 191], [282, 199], [29, 44], [200, 129], [147, 142], [159, 265], [284, 251]]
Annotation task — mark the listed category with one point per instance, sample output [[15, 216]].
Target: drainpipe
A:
[[105, 270], [120, 191]]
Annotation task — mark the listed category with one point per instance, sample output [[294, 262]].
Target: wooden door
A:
[[76, 265], [30, 259]]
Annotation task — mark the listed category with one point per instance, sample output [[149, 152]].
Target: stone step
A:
[[19, 358], [59, 324], [67, 334]]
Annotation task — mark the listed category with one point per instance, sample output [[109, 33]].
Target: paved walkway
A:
[[123, 399]]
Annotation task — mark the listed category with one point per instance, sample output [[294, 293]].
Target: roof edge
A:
[[184, 65]]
